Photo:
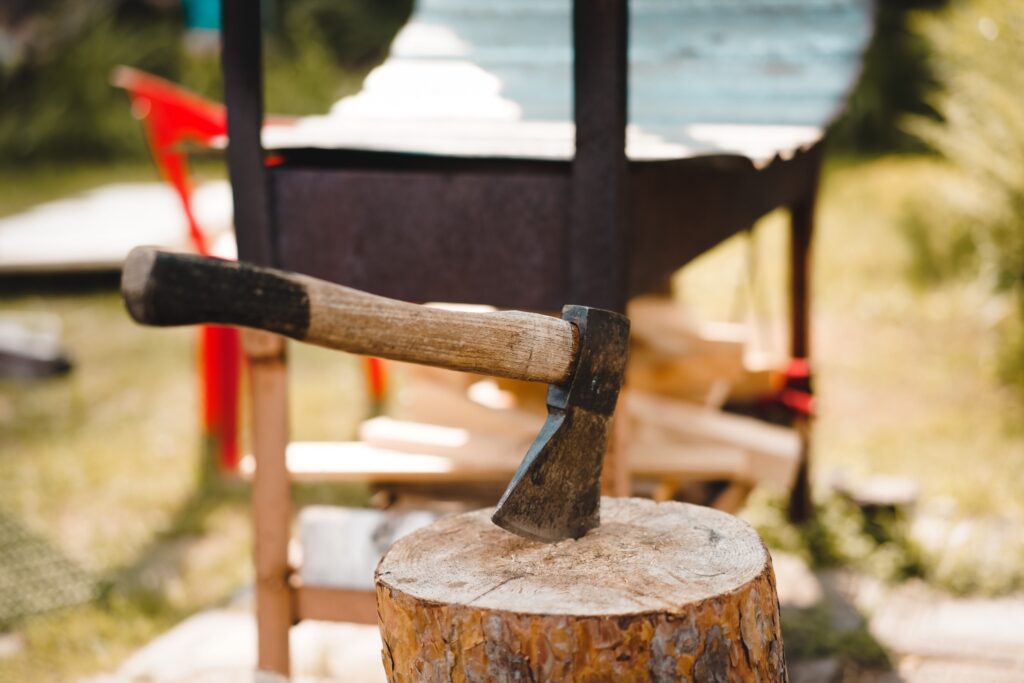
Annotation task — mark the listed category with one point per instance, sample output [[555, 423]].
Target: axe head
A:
[[556, 492]]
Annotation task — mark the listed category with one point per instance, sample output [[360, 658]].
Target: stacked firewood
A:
[[680, 444]]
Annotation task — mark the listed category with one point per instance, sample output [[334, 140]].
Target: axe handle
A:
[[162, 288]]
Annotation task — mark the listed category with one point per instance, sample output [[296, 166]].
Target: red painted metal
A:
[[796, 393], [376, 384], [171, 116], [220, 359]]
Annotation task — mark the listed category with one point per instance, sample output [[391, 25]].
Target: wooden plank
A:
[[708, 380], [774, 452], [654, 453], [437, 404], [713, 425], [663, 323], [271, 496], [464, 447], [334, 604], [673, 355], [355, 461]]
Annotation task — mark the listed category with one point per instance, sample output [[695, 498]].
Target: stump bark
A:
[[659, 592]]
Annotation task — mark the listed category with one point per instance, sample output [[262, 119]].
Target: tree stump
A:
[[659, 592]]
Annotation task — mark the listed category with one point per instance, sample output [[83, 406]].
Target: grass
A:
[[106, 462]]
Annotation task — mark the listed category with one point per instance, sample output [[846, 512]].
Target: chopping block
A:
[[659, 592]]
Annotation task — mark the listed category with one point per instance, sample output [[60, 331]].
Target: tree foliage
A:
[[978, 57], [58, 104]]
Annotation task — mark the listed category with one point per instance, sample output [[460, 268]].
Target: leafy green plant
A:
[[977, 50], [58, 104], [61, 104], [842, 534], [895, 81], [809, 633]]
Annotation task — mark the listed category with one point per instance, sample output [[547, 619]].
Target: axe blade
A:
[[556, 492]]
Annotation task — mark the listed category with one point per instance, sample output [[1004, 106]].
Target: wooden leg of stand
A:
[[733, 497], [271, 498], [802, 228]]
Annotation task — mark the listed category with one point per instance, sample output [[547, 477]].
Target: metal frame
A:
[[528, 234]]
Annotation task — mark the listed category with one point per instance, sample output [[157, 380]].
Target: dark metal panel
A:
[[474, 237], [375, 160], [242, 62], [683, 208], [598, 226]]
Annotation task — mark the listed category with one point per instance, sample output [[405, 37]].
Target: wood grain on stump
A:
[[659, 592]]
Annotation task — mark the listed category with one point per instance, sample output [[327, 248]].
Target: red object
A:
[[172, 116], [219, 349], [376, 382], [796, 391]]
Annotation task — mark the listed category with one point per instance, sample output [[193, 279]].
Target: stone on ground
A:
[[220, 646]]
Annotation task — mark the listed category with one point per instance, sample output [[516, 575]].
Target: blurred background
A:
[[115, 525]]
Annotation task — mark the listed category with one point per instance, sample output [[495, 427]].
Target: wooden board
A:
[[773, 451], [674, 355], [487, 458]]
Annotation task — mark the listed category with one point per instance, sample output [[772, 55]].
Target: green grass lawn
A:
[[105, 462]]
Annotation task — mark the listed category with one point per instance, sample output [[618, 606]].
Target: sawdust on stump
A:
[[659, 592]]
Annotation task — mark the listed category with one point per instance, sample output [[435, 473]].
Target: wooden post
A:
[[659, 592], [271, 497]]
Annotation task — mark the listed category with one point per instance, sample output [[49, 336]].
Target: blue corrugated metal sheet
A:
[[781, 67], [709, 61]]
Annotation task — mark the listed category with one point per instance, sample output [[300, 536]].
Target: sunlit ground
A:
[[105, 462]]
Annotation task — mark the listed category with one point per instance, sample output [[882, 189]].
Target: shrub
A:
[[58, 104], [977, 50]]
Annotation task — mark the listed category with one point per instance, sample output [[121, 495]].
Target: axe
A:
[[556, 492]]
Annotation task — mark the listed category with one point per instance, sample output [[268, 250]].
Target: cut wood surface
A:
[[660, 591]]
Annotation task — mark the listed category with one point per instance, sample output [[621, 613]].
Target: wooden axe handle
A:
[[162, 288]]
